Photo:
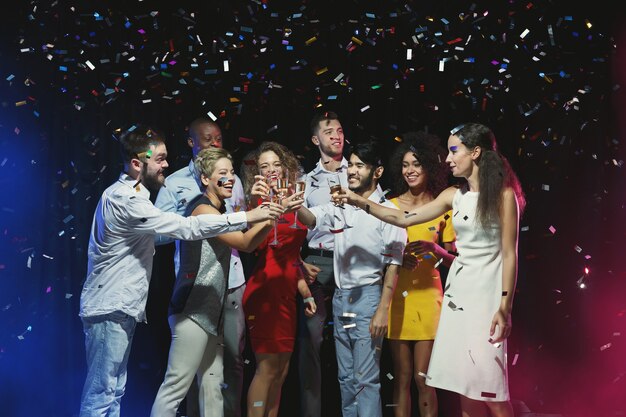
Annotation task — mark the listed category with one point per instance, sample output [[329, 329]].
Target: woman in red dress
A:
[[269, 300]]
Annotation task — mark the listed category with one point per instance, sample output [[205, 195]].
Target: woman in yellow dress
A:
[[420, 174]]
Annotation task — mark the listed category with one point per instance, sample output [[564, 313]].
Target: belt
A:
[[324, 253]]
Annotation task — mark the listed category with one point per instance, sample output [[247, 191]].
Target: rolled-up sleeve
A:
[[395, 241]]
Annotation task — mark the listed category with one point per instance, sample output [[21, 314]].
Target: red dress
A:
[[269, 301]]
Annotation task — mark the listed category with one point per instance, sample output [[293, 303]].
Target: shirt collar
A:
[[377, 196], [320, 166], [130, 182]]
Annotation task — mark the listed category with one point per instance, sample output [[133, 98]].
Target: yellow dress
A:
[[416, 303]]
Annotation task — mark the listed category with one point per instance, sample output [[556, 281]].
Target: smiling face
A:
[[270, 166], [413, 172], [360, 175], [329, 138], [205, 135], [221, 181], [153, 175], [460, 158]]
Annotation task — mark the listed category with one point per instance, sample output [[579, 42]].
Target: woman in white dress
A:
[[469, 354]]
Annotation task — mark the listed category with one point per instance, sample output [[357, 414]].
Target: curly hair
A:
[[250, 166], [495, 173], [429, 153]]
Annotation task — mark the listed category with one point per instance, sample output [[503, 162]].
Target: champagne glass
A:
[[299, 187], [273, 197], [334, 184], [282, 185]]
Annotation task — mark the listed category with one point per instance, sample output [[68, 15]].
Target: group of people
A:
[[330, 246]]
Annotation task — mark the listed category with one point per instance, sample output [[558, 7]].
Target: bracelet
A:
[[308, 300]]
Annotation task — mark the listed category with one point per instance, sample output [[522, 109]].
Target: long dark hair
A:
[[494, 175], [429, 153]]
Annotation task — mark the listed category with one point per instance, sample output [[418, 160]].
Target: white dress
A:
[[463, 360]]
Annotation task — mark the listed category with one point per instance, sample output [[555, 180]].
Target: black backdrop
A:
[[552, 96]]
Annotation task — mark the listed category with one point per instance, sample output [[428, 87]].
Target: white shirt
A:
[[317, 193], [361, 251], [121, 246], [181, 187]]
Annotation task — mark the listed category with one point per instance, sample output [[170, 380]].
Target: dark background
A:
[[553, 98]]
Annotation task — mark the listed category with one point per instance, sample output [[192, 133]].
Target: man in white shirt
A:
[[180, 189], [121, 246], [363, 247], [327, 135]]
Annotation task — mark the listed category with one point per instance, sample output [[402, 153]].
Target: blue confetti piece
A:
[[62, 68]]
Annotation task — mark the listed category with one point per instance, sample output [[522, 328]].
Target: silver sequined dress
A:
[[202, 281]]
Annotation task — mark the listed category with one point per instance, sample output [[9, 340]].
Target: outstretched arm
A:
[[242, 241], [399, 218], [306, 217]]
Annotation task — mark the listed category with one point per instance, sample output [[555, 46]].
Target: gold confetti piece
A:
[[310, 40], [321, 71], [357, 41], [20, 103]]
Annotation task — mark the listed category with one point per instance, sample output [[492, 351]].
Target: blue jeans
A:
[[107, 342], [358, 355]]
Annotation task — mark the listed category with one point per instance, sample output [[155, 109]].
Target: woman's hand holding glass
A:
[[260, 189], [293, 202]]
